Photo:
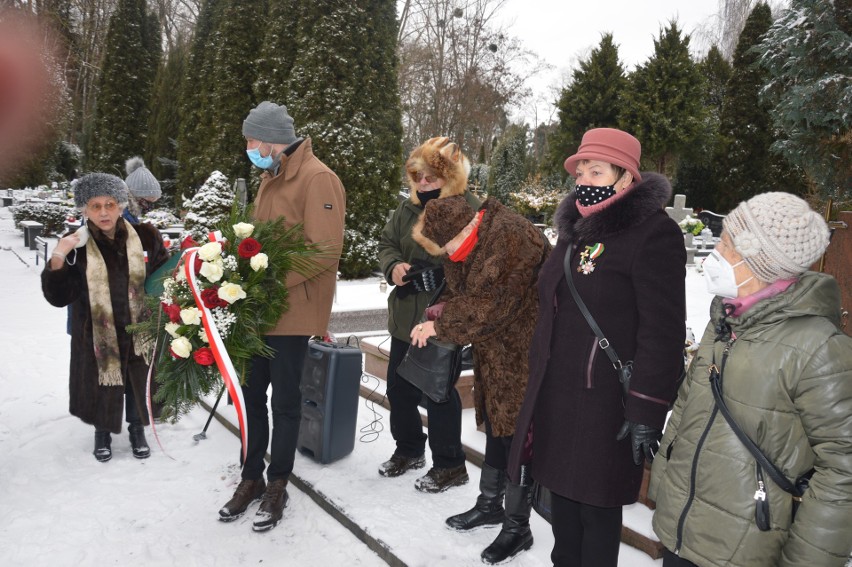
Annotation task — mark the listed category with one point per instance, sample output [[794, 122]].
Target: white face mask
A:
[[719, 276]]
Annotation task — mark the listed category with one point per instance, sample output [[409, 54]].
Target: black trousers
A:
[[406, 427], [585, 535], [496, 448], [284, 373], [672, 560]]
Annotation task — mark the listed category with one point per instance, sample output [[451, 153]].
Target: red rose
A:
[[203, 356], [173, 311], [211, 299], [249, 247], [198, 263]]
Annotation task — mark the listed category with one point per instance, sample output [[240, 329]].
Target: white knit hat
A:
[[140, 180], [777, 234]]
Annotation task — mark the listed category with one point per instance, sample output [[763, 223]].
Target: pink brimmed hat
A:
[[610, 145]]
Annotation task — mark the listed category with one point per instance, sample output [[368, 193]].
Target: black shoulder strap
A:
[[437, 294], [776, 475], [603, 342]]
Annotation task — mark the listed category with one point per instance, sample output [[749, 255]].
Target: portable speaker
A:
[[330, 383]]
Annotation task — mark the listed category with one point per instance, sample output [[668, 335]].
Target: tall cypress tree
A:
[[237, 44], [508, 164], [196, 129], [130, 63], [343, 92], [590, 101], [278, 51], [698, 171], [164, 124], [747, 165], [663, 103]]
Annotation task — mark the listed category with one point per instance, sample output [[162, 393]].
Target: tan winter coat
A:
[[305, 191]]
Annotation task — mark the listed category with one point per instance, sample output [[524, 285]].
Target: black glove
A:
[[644, 439], [424, 276]]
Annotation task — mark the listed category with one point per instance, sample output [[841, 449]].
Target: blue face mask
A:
[[263, 162]]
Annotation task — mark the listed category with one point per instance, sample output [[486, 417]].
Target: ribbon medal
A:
[[587, 266]]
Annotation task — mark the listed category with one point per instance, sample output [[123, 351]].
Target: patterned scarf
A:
[[104, 336]]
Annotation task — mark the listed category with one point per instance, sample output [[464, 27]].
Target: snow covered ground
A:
[[58, 506]]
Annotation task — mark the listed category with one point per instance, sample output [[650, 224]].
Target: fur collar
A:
[[644, 199]]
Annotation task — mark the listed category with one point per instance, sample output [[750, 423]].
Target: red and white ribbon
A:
[[220, 354], [216, 236]]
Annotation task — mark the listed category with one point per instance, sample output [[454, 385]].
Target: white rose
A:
[[213, 271], [243, 229], [181, 275], [190, 316], [181, 347], [210, 251], [203, 336], [171, 328], [231, 292], [259, 261]]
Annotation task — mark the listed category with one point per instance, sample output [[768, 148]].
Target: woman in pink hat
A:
[[627, 261]]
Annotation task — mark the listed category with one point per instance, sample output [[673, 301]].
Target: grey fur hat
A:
[[270, 122], [140, 181], [99, 185], [778, 235]]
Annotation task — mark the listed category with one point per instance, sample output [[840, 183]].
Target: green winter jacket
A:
[[397, 246], [788, 383]]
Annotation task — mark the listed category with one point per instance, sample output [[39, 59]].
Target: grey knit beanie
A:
[[777, 234], [140, 181], [99, 185], [270, 122]]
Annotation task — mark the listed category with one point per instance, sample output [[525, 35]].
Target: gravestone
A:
[[713, 221], [679, 210]]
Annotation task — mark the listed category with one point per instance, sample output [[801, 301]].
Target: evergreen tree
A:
[[592, 100], [342, 91], [130, 63], [809, 85], [195, 128], [747, 167], [164, 123], [210, 205], [508, 165], [663, 105], [236, 45], [698, 172], [278, 51]]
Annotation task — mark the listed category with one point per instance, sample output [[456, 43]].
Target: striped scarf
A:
[[104, 335]]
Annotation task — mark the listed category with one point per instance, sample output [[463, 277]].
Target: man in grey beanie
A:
[[296, 188]]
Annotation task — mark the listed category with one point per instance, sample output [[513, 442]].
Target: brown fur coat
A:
[[492, 303]]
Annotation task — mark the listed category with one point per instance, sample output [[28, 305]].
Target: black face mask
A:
[[426, 196], [145, 206], [590, 195]]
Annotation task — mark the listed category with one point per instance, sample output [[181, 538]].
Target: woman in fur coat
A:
[[491, 262], [586, 438], [101, 271]]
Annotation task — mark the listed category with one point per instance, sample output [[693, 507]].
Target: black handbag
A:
[[795, 489], [433, 368]]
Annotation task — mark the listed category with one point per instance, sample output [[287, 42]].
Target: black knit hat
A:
[[99, 185]]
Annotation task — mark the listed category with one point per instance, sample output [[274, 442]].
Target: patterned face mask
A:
[[589, 195]]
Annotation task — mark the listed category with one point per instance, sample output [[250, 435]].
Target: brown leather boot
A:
[[272, 506], [400, 464], [247, 492], [440, 479]]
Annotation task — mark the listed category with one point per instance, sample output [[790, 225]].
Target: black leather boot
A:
[[516, 535], [103, 449], [138, 442], [489, 504]]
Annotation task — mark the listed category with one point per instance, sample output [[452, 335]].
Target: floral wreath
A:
[[217, 303]]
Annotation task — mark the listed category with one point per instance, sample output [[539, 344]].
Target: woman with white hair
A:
[[101, 271], [774, 369]]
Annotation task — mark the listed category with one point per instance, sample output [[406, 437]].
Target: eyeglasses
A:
[[109, 206], [420, 176]]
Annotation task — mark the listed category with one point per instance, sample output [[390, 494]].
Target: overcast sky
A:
[[561, 31]]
